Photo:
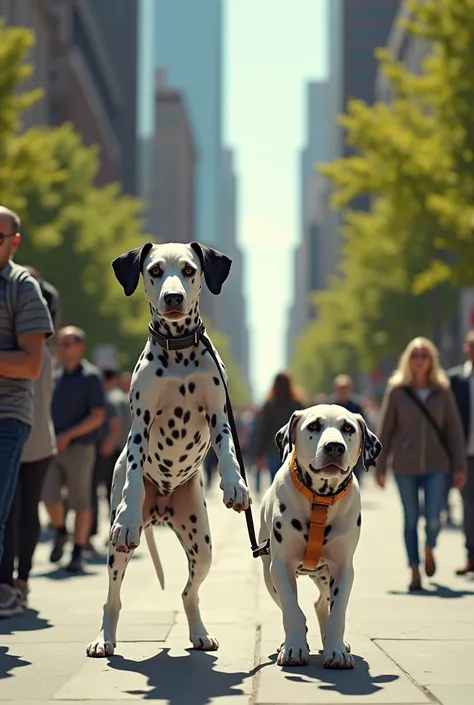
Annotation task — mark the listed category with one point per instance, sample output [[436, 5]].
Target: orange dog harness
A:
[[319, 515]]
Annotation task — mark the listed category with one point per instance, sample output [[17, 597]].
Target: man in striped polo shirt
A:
[[25, 323]]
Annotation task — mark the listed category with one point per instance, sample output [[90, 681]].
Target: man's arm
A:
[[111, 441], [32, 325], [96, 417], [25, 363], [92, 422]]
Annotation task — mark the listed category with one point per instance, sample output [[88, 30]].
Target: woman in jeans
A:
[[420, 428]]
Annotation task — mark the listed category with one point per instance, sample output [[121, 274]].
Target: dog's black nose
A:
[[173, 300], [335, 449]]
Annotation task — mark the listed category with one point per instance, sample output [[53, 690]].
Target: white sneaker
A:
[[9, 603]]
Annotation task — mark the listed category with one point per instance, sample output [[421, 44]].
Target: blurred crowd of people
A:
[[64, 422], [426, 425]]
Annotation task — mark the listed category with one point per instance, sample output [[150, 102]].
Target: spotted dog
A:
[[178, 408], [319, 448]]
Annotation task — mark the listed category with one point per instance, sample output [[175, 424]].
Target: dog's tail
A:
[[150, 540]]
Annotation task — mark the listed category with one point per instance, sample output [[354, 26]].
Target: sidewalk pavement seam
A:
[[420, 687], [256, 664]]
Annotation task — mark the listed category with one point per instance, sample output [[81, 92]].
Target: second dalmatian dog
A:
[[312, 515], [178, 407]]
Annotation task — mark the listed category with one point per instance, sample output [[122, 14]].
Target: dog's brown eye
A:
[[188, 271], [315, 426], [347, 428], [156, 272]]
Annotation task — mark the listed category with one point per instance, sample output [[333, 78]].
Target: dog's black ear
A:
[[127, 267], [215, 266], [285, 437], [371, 447], [281, 440]]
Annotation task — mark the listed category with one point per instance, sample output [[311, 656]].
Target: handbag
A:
[[428, 416]]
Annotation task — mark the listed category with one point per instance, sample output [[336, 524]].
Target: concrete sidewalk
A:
[[409, 649]]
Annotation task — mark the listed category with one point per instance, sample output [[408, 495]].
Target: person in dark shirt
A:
[[113, 437], [78, 411], [284, 398], [344, 396]]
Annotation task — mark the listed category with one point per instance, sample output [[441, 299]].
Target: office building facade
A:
[[85, 60], [188, 46], [172, 208]]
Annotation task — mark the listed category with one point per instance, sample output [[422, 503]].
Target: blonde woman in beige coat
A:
[[421, 430]]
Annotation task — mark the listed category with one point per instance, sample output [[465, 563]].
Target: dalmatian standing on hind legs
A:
[[312, 515], [178, 406]]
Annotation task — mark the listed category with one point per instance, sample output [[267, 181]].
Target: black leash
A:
[[180, 343]]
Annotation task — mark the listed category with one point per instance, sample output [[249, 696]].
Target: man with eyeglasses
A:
[[25, 324], [78, 411]]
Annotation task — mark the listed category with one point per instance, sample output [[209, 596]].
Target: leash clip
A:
[[262, 550], [196, 337]]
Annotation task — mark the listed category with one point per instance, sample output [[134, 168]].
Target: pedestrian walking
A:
[[50, 295], [78, 411], [462, 384], [344, 396], [421, 430], [113, 438], [25, 324], [22, 529], [282, 401]]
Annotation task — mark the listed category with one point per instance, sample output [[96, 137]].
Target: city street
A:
[[409, 649]]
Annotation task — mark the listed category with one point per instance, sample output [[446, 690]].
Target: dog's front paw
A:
[[125, 534], [236, 494], [100, 648], [204, 642], [293, 653], [338, 657]]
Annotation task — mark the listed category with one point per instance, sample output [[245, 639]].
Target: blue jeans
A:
[[433, 486], [274, 464], [13, 436]]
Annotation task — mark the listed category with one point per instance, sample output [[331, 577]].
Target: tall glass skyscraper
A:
[[146, 101], [188, 46]]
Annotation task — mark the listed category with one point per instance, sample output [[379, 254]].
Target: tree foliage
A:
[[72, 230], [415, 158]]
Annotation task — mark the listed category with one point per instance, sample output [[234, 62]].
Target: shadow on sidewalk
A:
[[183, 680], [435, 590], [356, 681], [29, 621], [60, 573], [8, 662]]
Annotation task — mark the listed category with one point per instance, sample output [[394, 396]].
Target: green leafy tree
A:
[[239, 390], [71, 229], [415, 158]]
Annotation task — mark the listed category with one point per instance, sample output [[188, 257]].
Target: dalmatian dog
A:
[[178, 408], [325, 442]]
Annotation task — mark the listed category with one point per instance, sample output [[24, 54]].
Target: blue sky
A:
[[272, 48]]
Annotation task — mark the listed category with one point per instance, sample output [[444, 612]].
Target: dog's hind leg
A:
[[190, 523]]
